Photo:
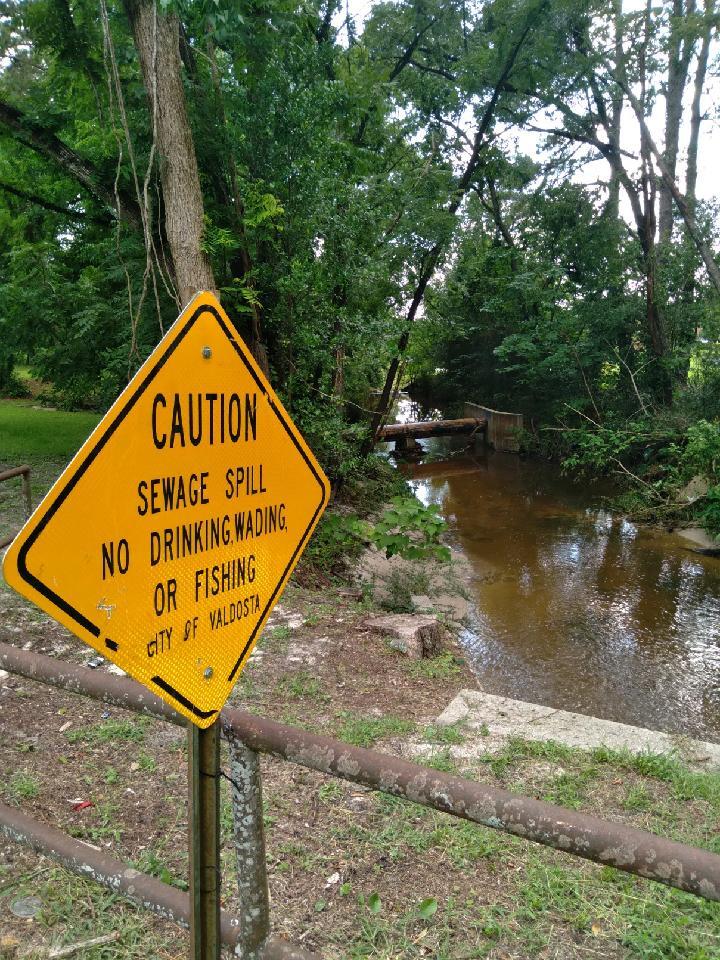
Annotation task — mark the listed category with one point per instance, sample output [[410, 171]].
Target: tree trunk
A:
[[157, 39], [680, 53]]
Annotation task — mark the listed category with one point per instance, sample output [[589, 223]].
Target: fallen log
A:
[[430, 428]]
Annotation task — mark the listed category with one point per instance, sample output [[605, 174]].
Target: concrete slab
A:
[[698, 537], [496, 718]]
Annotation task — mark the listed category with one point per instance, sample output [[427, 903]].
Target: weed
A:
[[541, 750], [411, 530], [150, 862], [466, 843], [568, 789], [147, 763], [104, 826], [649, 922], [277, 637], [112, 776], [336, 541], [320, 611], [246, 689], [668, 768], [75, 910], [301, 856], [517, 749], [441, 760], [330, 791], [401, 586], [637, 798]]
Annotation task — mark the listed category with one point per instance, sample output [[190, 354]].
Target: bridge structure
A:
[[497, 428]]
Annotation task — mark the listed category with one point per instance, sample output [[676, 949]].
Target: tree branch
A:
[[53, 207], [424, 68], [33, 135]]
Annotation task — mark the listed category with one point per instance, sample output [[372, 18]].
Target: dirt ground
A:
[[352, 874], [318, 665]]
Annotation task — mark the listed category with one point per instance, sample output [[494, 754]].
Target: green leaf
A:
[[428, 908], [374, 903]]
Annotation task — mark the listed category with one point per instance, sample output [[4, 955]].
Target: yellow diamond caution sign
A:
[[169, 538]]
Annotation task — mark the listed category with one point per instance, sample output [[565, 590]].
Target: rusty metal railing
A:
[[24, 472], [634, 851]]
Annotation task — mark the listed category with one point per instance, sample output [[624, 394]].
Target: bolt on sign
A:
[[170, 536]]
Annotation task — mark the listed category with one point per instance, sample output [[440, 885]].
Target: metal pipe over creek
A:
[[626, 848]]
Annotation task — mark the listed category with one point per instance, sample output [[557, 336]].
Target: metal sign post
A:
[[204, 836]]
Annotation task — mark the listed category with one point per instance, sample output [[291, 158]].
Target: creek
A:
[[575, 607]]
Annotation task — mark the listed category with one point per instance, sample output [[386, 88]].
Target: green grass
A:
[[651, 922], [30, 434], [302, 686], [23, 786], [450, 734], [668, 768], [366, 731], [443, 667], [75, 910], [517, 750], [110, 730], [546, 904], [569, 789]]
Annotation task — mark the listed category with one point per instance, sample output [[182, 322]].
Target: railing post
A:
[[27, 493], [249, 841]]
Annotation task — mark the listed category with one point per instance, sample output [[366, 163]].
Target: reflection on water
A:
[[577, 608]]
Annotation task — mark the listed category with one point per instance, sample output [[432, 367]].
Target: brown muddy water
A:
[[574, 607]]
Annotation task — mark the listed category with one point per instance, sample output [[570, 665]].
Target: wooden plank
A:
[[503, 427]]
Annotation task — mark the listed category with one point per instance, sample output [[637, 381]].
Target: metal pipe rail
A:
[[625, 848], [152, 894], [24, 472]]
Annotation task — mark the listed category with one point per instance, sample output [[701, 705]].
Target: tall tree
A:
[[510, 47]]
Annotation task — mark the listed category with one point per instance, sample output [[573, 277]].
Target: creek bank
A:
[[426, 586], [482, 721]]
